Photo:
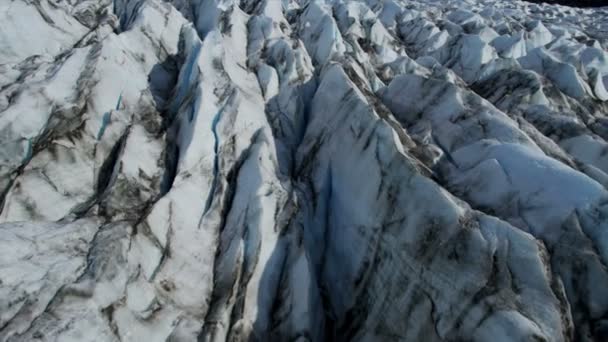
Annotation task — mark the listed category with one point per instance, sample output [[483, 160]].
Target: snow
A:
[[509, 46], [50, 30], [303, 170], [37, 260], [320, 33], [537, 35], [269, 80], [563, 75]]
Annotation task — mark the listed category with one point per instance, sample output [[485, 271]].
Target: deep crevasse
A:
[[303, 170]]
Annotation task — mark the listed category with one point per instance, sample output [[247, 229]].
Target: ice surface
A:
[[326, 170]]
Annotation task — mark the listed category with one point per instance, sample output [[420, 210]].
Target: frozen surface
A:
[[293, 170]]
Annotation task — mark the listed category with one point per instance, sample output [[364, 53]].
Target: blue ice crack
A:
[[107, 118], [216, 166]]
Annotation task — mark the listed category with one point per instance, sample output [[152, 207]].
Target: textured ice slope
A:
[[379, 170]]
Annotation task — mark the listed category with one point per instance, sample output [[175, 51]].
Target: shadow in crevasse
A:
[[277, 260], [277, 281], [294, 250], [162, 80]]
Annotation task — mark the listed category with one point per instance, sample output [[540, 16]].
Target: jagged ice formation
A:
[[294, 170]]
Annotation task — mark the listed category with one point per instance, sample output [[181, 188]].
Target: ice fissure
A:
[[295, 170]]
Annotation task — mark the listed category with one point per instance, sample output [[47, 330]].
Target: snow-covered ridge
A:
[[292, 170]]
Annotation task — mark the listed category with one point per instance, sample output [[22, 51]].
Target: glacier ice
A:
[[303, 170]]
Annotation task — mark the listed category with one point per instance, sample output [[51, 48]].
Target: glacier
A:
[[303, 170]]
